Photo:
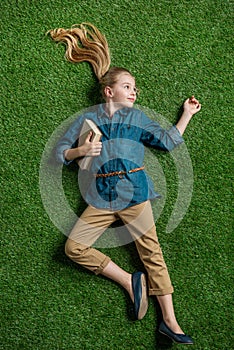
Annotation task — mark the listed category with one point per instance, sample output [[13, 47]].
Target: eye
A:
[[128, 87], [136, 90]]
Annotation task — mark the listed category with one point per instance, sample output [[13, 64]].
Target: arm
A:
[[155, 136], [87, 149], [191, 107]]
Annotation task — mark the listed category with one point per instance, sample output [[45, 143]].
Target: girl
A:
[[118, 187]]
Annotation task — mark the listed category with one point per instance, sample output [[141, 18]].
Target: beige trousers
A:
[[140, 223]]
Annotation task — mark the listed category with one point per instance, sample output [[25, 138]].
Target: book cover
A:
[[88, 125]]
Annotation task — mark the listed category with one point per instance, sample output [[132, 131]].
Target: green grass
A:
[[175, 49]]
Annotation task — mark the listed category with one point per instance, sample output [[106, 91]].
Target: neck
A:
[[112, 107]]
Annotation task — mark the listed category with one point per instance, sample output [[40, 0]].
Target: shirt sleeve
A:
[[68, 140], [155, 136]]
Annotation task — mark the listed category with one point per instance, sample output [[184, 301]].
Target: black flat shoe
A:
[[177, 338], [140, 294]]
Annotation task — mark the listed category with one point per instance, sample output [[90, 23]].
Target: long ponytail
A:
[[85, 43]]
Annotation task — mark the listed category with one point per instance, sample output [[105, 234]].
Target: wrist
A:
[[73, 153], [188, 115], [80, 151]]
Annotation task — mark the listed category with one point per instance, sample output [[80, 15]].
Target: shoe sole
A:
[[144, 299], [174, 340]]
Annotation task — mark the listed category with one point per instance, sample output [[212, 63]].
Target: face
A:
[[123, 92]]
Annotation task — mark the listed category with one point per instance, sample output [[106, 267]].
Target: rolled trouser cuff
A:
[[102, 266], [159, 292]]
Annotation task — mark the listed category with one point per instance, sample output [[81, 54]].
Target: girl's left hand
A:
[[192, 105]]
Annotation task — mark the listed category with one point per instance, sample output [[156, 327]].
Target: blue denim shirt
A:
[[123, 140]]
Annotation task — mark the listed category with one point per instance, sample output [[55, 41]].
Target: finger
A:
[[194, 101], [186, 103], [95, 152], [88, 138], [97, 146]]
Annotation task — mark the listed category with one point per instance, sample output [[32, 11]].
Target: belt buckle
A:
[[120, 174]]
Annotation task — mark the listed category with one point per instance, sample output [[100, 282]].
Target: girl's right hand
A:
[[90, 148]]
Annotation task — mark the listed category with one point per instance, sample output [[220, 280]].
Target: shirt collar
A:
[[102, 113]]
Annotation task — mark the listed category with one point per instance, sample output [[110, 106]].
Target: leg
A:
[[166, 304], [135, 285], [78, 247], [140, 222], [115, 273], [169, 325], [86, 231]]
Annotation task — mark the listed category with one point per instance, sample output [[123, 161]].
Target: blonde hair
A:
[[86, 43]]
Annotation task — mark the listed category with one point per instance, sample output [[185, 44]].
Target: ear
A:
[[108, 91]]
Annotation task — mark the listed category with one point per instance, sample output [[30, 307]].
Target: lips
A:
[[131, 100]]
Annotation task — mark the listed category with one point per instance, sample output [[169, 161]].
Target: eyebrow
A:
[[128, 83]]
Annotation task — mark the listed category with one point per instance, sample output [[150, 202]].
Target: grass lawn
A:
[[174, 49]]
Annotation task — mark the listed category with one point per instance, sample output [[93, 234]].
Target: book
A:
[[88, 125]]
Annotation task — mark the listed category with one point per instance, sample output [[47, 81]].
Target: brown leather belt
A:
[[121, 172]]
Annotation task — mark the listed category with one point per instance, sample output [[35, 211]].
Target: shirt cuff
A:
[[60, 156], [175, 135]]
